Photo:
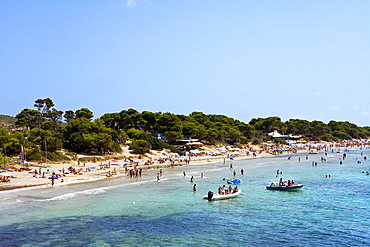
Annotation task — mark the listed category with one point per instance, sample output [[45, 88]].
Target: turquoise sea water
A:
[[327, 211]]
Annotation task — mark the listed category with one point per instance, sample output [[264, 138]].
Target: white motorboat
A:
[[213, 196]]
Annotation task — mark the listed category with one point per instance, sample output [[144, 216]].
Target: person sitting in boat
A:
[[235, 189], [230, 190], [281, 182], [220, 191], [289, 183], [292, 182]]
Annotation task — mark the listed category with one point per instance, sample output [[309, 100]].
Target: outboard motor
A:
[[210, 195]]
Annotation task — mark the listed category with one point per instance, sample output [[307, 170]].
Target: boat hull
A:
[[289, 188], [223, 197]]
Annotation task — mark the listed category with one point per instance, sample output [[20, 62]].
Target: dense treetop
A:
[[44, 130]]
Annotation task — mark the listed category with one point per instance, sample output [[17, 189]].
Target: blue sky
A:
[[244, 59]]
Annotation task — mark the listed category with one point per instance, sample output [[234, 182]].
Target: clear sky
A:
[[244, 59]]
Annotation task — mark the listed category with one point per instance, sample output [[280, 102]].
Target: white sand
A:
[[28, 179]]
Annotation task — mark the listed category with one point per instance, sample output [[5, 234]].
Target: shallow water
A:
[[327, 211]]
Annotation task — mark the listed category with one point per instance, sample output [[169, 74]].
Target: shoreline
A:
[[28, 180]]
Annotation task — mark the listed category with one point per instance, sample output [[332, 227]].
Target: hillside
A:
[[6, 121]]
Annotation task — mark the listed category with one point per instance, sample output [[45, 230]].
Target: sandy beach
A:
[[27, 179], [39, 175]]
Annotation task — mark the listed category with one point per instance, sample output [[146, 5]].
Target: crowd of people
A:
[[286, 183], [225, 191]]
